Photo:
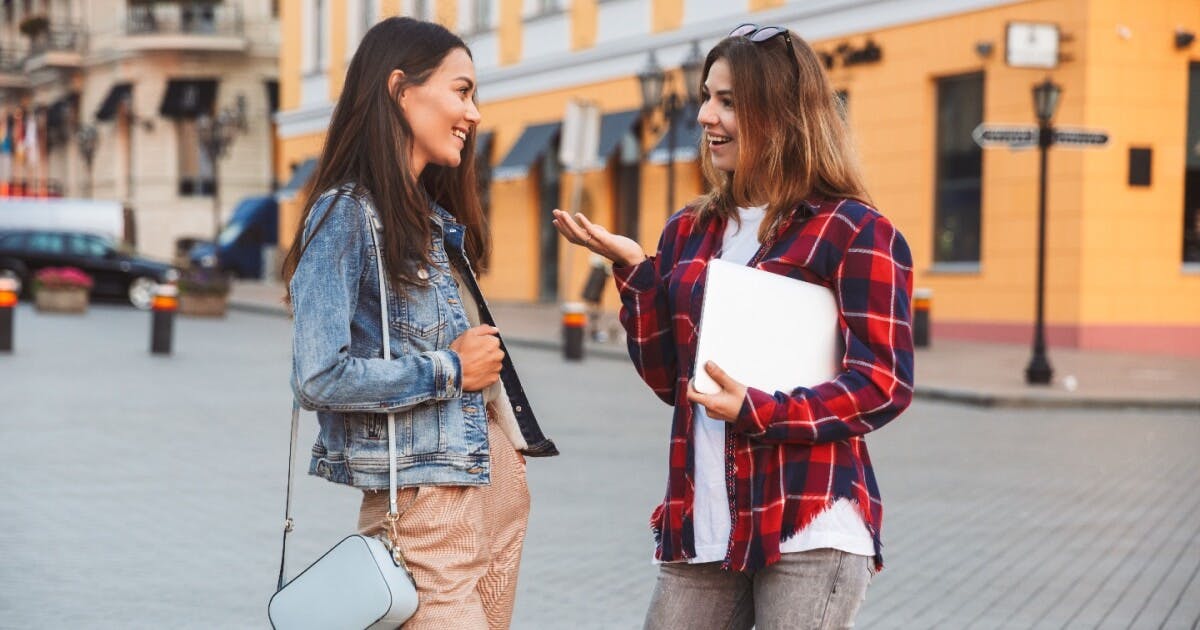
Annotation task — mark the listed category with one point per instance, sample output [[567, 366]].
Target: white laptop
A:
[[765, 330]]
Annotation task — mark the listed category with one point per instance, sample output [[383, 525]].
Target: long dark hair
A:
[[369, 144], [793, 140]]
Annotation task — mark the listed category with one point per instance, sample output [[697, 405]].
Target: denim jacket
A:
[[338, 369]]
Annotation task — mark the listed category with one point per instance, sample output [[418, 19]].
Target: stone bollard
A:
[[922, 300], [162, 318], [574, 321], [9, 290]]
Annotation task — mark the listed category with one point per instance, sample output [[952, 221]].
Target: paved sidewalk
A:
[[985, 374]]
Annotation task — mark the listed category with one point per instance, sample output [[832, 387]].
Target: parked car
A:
[[114, 272], [239, 248]]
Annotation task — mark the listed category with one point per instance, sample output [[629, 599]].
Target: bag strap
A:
[[393, 515]]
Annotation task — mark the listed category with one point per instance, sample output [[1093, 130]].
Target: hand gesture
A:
[[578, 230], [479, 353], [725, 404]]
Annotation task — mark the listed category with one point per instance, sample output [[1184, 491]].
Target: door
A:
[[629, 184], [549, 192]]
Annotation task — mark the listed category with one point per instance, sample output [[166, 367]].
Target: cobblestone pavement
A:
[[147, 492]]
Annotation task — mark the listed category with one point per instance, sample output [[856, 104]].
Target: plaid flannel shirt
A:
[[789, 455]]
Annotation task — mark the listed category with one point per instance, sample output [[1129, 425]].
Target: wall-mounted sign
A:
[[1031, 45]]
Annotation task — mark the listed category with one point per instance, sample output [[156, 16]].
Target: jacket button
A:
[[422, 274], [470, 409], [451, 301], [518, 409], [475, 470]]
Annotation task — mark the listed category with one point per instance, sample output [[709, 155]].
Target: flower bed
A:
[[61, 290]]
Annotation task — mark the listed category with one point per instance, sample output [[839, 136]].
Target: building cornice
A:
[[814, 19]]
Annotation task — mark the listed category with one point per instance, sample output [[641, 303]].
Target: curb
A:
[[974, 398]]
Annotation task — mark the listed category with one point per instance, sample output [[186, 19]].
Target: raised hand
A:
[[480, 355], [579, 231]]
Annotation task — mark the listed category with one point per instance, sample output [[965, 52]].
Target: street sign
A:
[[1014, 136], [1080, 138]]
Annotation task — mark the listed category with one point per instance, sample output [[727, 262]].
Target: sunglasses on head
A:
[[759, 34]]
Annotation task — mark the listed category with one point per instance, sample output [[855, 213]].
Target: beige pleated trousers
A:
[[462, 543]]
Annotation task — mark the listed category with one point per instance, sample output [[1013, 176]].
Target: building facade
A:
[[110, 99], [916, 78]]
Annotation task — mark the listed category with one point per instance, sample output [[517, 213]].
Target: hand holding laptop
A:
[[725, 404]]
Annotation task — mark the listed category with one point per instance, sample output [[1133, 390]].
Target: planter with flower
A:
[[203, 292], [61, 290]]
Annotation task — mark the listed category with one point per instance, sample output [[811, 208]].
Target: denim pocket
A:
[[423, 429]]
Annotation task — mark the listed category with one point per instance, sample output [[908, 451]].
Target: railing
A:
[[184, 18], [60, 38], [11, 60]]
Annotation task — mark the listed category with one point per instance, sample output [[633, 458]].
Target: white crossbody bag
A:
[[360, 582]]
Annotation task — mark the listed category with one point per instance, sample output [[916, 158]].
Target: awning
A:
[[530, 148], [688, 134], [300, 176], [613, 127], [188, 98], [118, 93]]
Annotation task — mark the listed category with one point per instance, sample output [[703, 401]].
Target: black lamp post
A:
[[216, 135], [653, 82], [85, 138], [1045, 102]]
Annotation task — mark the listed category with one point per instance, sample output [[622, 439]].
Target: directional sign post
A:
[[1043, 136], [1080, 138], [1012, 136]]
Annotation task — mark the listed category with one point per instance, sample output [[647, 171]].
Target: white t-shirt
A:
[[840, 527]]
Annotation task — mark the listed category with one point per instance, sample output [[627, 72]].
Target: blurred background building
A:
[[165, 106], [916, 78]]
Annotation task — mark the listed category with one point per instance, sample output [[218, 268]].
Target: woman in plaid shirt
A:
[[772, 515]]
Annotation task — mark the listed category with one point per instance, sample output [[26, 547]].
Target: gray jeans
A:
[[822, 588]]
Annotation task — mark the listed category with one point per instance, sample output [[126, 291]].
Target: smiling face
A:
[[441, 112], [717, 118]]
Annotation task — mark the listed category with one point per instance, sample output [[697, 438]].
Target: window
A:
[[1191, 186], [195, 168], [421, 9], [537, 8], [45, 242], [86, 246], [959, 168], [12, 242], [316, 52], [481, 18]]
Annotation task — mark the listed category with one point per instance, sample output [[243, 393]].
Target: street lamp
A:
[[85, 138], [216, 135], [1045, 103], [655, 96]]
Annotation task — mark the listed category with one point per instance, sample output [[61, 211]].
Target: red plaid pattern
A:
[[791, 454]]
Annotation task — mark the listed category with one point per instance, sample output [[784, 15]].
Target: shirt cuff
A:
[[447, 375], [637, 278], [755, 414]]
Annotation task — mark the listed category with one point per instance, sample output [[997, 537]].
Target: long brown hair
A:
[[369, 144], [792, 140]]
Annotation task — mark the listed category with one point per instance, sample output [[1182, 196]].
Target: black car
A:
[[114, 272]]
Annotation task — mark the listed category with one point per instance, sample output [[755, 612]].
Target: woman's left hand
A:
[[724, 405]]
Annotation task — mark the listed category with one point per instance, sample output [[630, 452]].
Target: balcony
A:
[[61, 46], [190, 26], [12, 70]]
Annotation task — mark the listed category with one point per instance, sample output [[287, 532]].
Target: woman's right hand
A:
[[479, 353], [578, 230]]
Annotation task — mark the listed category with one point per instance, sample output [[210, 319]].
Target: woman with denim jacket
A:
[[398, 167], [772, 515]]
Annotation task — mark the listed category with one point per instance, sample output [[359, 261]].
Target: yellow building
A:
[[1123, 235]]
